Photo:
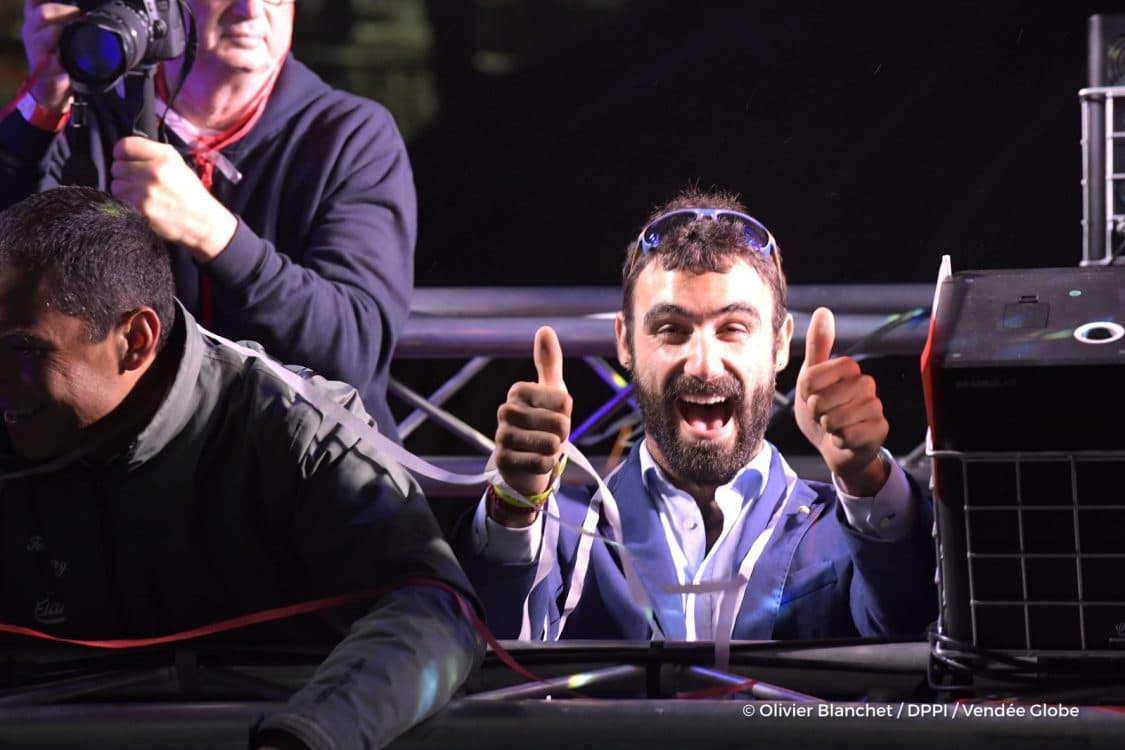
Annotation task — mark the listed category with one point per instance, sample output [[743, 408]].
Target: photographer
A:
[[291, 204]]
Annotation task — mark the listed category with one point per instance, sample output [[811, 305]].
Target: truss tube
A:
[[449, 422], [559, 684], [592, 300], [443, 394], [440, 337]]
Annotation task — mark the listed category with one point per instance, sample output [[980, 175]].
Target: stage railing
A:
[[1103, 174]]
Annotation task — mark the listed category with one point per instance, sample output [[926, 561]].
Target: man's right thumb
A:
[[549, 358]]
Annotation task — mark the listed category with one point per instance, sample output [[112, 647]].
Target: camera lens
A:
[[103, 45], [96, 54]]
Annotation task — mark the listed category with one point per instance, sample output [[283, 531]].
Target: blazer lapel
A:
[[761, 511], [644, 538], [758, 612]]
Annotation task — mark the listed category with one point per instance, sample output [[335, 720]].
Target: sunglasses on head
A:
[[756, 236]]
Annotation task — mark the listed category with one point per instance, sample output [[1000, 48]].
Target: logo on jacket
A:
[[49, 612]]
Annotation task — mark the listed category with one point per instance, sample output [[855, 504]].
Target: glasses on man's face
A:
[[756, 236], [278, 3]]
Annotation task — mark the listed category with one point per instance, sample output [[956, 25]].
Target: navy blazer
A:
[[816, 577]]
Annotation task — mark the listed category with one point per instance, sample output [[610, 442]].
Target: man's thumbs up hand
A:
[[839, 412], [534, 422]]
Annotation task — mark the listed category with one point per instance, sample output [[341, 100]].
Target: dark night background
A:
[[871, 137]]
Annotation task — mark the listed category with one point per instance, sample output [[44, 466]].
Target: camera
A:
[[114, 37]]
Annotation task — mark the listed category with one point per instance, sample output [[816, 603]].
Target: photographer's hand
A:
[[43, 23], [155, 180]]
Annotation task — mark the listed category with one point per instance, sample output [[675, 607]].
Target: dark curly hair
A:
[[105, 259], [702, 246]]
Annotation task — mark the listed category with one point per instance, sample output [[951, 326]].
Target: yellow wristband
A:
[[501, 491], [515, 500]]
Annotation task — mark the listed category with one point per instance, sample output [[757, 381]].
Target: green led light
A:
[[1075, 292]]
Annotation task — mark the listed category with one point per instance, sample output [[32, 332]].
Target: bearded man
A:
[[709, 533]]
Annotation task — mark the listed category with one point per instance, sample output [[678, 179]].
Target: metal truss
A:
[[483, 324]]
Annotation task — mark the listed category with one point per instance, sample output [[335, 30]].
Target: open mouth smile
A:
[[705, 417]]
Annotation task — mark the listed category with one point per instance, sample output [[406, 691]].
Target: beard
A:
[[705, 462]]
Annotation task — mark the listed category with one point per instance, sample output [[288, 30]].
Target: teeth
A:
[[704, 400]]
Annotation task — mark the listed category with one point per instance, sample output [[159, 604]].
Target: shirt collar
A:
[[659, 485]]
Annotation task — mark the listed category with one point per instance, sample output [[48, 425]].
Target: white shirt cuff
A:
[[498, 543], [889, 515]]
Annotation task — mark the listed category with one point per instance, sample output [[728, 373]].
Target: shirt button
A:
[[690, 524]]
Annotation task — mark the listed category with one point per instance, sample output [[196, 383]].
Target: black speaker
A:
[[1024, 376], [1029, 360]]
